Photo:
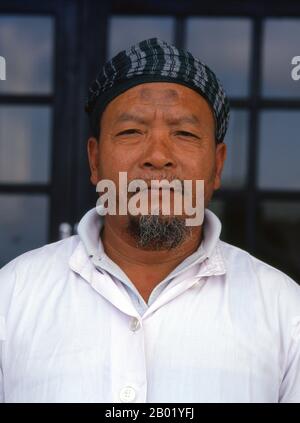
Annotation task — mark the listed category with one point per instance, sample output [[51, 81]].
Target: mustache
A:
[[160, 182]]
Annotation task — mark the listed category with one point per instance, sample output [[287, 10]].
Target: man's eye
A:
[[129, 132], [186, 134]]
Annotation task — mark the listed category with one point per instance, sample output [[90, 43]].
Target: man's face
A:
[[158, 131]]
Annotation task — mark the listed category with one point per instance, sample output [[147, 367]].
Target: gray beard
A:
[[153, 232]]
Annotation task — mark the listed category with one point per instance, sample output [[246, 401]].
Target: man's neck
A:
[[145, 268]]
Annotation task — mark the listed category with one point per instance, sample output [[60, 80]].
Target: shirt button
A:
[[127, 394], [134, 324]]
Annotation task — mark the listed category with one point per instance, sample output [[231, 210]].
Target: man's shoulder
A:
[[241, 265], [59, 251], [52, 259], [36, 267]]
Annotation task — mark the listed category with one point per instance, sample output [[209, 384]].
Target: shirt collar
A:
[[89, 229], [91, 224]]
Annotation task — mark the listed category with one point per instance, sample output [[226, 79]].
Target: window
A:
[[23, 224], [25, 132], [280, 45], [25, 139], [43, 128], [125, 31], [261, 175], [277, 230], [224, 45], [279, 150]]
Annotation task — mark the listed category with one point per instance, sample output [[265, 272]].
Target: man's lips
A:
[[158, 186], [160, 189], [162, 185]]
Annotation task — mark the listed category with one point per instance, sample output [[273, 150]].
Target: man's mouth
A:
[[164, 185]]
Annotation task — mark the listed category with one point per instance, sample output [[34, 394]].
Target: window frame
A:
[[254, 103], [80, 49], [74, 64]]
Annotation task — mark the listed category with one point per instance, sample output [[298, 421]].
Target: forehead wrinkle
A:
[[131, 117], [138, 117], [190, 118], [168, 95]]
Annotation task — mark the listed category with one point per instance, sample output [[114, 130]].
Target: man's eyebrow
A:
[[193, 119], [125, 117]]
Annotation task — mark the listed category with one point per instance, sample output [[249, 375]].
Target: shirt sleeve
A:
[[289, 311], [7, 283], [290, 386], [1, 387], [2, 337]]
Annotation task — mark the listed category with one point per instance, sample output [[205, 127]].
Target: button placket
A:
[[128, 372], [134, 324]]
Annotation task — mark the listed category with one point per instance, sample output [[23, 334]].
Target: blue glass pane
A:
[[224, 45], [279, 150], [277, 232], [26, 43], [25, 147], [127, 30], [232, 216], [281, 44], [23, 224], [236, 139], [217, 207]]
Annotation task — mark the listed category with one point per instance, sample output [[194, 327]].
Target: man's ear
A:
[[93, 155], [220, 159]]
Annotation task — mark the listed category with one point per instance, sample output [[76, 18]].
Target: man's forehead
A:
[[159, 93], [174, 103], [163, 95]]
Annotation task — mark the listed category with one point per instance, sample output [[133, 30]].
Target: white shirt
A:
[[226, 329], [89, 230]]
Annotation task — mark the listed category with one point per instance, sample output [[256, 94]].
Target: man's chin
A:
[[158, 232]]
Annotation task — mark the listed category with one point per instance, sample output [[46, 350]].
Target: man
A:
[[141, 307]]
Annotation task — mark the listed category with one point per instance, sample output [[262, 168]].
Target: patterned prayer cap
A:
[[154, 60]]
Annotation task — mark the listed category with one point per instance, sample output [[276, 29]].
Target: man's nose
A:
[[158, 152]]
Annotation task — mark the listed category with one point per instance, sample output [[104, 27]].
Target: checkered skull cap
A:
[[154, 60]]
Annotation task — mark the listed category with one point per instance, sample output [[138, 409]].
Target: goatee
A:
[[154, 232]]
